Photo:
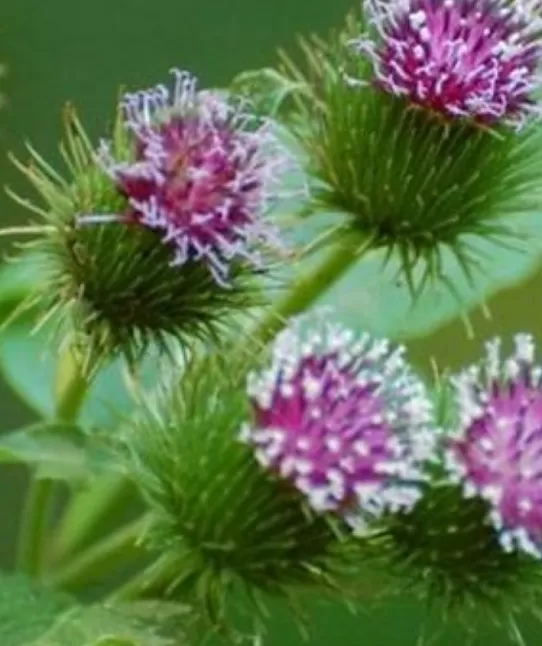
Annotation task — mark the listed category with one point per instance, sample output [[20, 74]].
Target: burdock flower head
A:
[[222, 522], [476, 59], [497, 454], [160, 233], [202, 175], [405, 119], [343, 419], [475, 538]]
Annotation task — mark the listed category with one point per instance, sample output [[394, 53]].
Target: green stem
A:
[[71, 388], [151, 581], [309, 288], [88, 511], [120, 547], [34, 523]]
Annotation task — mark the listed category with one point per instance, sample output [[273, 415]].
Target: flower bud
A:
[[160, 233], [418, 124]]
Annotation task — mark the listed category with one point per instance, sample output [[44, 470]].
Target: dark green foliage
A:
[[405, 178], [114, 283], [220, 516]]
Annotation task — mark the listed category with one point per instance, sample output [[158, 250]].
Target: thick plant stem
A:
[[71, 388], [34, 522], [307, 289], [148, 583], [87, 511], [117, 549]]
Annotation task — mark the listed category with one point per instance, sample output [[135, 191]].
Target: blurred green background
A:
[[82, 51]]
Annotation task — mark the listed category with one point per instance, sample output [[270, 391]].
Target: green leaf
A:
[[27, 611], [58, 451], [34, 616], [28, 357], [111, 626], [371, 297], [17, 279], [28, 361]]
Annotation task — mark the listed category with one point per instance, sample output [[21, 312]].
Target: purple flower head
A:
[[476, 59], [343, 419], [203, 174], [496, 453]]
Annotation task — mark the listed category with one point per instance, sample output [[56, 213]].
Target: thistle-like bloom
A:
[[203, 174], [344, 420], [497, 453], [476, 59]]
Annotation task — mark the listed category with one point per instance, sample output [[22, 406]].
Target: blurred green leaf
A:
[[370, 296], [17, 279], [27, 611], [34, 616], [58, 451], [108, 626], [28, 357]]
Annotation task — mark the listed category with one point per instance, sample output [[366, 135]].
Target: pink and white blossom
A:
[[476, 59], [204, 173], [343, 419], [496, 451]]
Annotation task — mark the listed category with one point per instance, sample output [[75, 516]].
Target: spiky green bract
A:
[[405, 178], [447, 552], [228, 526], [113, 282]]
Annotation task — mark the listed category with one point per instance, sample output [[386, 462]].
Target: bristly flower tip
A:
[[474, 59], [343, 419], [496, 451], [205, 172]]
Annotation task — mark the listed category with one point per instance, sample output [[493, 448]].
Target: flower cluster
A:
[[329, 452], [496, 453], [204, 172], [461, 58], [350, 426], [343, 419]]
